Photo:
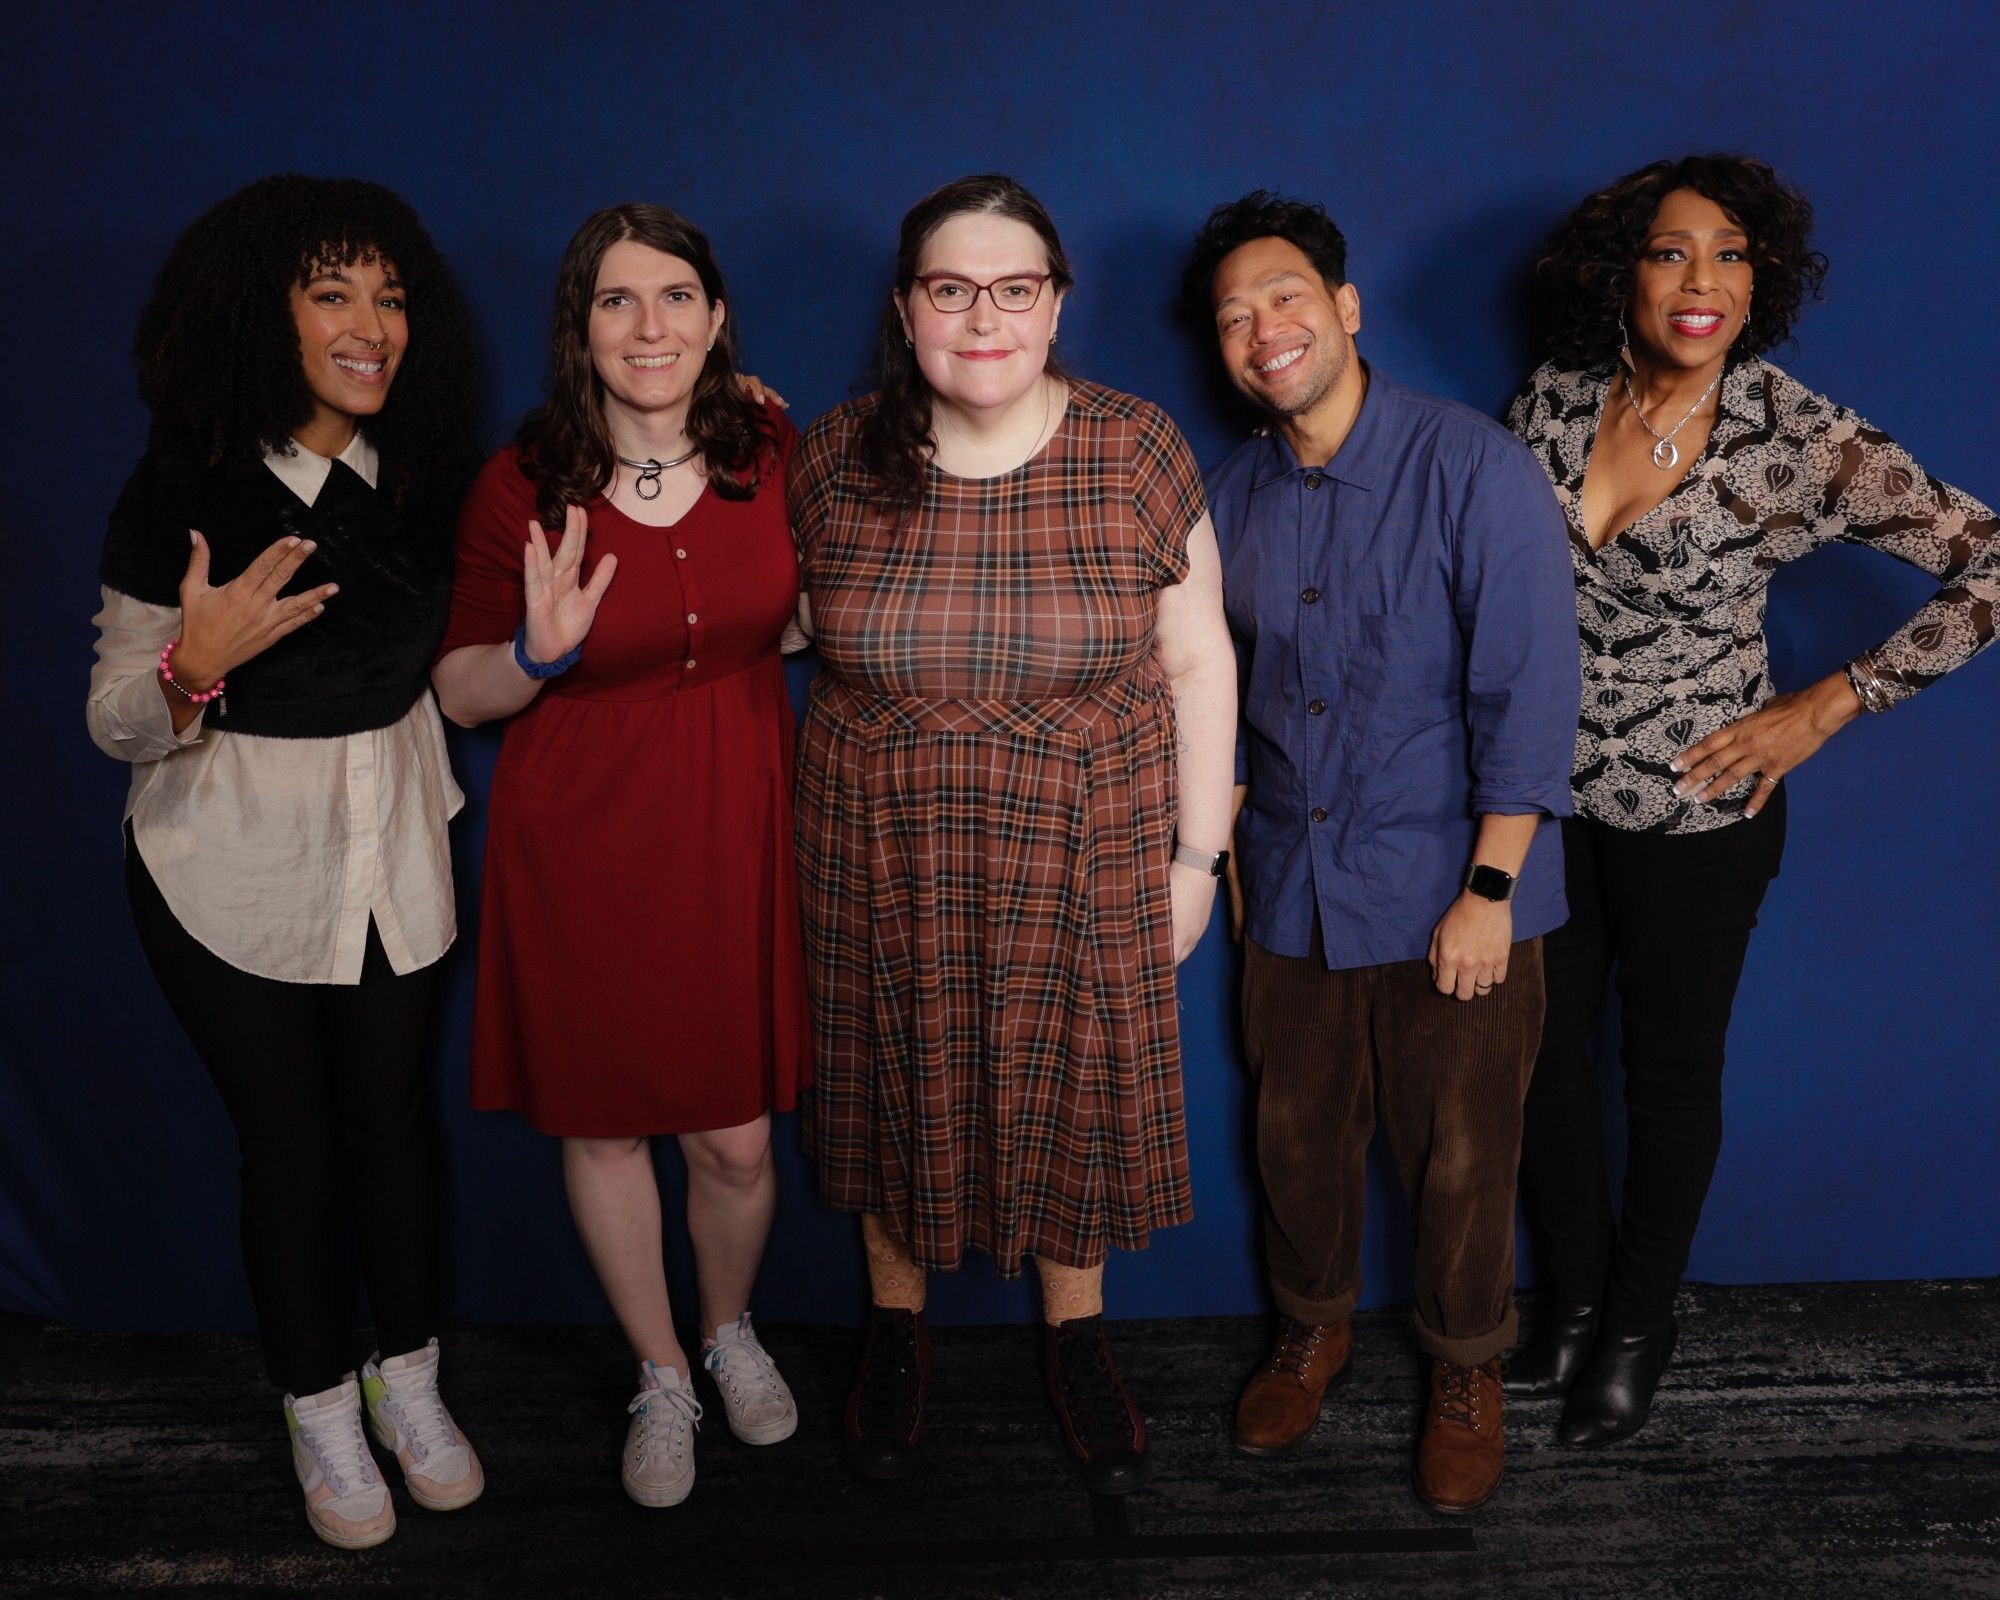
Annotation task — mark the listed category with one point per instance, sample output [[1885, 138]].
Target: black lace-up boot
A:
[[1101, 1427], [884, 1421]]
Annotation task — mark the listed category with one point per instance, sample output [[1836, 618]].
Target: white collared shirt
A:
[[275, 853]]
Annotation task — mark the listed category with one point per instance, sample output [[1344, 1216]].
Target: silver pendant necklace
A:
[[1666, 455], [648, 485]]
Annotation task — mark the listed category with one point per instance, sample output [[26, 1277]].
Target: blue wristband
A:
[[542, 669]]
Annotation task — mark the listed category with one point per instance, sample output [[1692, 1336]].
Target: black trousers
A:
[[328, 1089], [1670, 918]]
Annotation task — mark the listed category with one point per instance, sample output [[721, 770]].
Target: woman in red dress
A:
[[639, 963]]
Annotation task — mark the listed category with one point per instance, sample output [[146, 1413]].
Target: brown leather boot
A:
[[1458, 1459], [1101, 1427], [884, 1421], [1280, 1404]]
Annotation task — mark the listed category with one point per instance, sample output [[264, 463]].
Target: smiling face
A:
[[1287, 339], [1691, 288], [983, 356], [651, 325], [353, 325]]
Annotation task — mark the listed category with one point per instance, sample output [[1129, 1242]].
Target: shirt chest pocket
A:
[[1404, 669]]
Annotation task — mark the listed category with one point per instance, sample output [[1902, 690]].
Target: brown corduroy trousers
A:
[[1326, 1049]]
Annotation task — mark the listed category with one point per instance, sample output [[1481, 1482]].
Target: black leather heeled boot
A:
[[1613, 1395], [1548, 1365]]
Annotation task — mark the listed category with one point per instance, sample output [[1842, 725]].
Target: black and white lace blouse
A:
[[1671, 610]]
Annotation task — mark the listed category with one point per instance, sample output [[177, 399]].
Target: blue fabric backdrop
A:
[[1862, 1100]]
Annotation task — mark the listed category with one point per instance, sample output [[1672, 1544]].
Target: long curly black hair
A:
[[895, 438], [1587, 266], [217, 350], [566, 449]]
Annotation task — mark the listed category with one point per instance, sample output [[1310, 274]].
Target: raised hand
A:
[[560, 609], [221, 628]]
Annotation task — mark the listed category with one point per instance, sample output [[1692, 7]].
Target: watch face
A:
[[1490, 883]]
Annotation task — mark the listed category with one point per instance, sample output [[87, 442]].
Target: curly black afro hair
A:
[[1587, 265], [217, 350]]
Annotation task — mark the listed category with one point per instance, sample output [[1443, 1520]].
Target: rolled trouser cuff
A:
[[1470, 1352], [1314, 1313]]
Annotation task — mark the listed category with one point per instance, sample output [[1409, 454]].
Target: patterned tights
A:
[[896, 1281]]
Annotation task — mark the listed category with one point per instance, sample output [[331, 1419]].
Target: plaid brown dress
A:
[[985, 814]]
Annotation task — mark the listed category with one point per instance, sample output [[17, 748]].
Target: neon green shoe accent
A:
[[373, 1391], [291, 1422]]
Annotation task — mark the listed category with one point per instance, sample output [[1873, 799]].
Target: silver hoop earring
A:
[[909, 343]]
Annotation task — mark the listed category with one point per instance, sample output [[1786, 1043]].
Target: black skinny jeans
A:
[[1670, 917], [328, 1089]]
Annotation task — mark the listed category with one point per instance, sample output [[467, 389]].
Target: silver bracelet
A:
[[1868, 686]]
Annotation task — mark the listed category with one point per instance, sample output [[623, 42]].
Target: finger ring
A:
[[1767, 778], [1482, 988]]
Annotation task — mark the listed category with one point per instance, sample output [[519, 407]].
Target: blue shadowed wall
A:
[[1863, 1098]]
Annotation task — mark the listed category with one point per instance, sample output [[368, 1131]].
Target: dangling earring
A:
[[909, 343], [1625, 344]]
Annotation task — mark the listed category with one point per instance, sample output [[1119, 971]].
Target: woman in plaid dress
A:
[[1013, 797]]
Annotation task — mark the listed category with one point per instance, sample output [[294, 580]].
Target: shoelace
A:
[[1095, 1403], [1294, 1352], [1458, 1396], [726, 1362], [889, 1387], [680, 1409], [339, 1449], [420, 1413]]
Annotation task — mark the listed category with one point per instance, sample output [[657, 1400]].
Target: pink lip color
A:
[[982, 355]]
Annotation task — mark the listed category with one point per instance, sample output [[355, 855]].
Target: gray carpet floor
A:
[[1837, 1440]]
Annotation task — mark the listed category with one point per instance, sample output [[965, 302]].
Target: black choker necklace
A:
[[648, 485]]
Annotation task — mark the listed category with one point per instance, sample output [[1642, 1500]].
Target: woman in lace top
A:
[[1690, 470]]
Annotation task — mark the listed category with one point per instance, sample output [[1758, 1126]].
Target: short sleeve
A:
[[809, 485], [486, 591], [1166, 495]]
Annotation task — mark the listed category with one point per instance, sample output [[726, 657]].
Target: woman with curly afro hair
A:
[[276, 578], [1690, 469]]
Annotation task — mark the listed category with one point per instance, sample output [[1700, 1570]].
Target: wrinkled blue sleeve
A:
[[1516, 607]]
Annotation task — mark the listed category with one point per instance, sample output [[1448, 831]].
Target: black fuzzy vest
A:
[[365, 660]]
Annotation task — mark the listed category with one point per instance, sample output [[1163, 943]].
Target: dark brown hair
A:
[[895, 438], [566, 449], [1587, 265]]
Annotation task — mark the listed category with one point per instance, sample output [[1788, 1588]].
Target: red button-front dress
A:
[[639, 960]]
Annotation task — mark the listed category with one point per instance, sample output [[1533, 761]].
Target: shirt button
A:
[[680, 555], [1314, 480], [1317, 708], [692, 619], [1319, 813], [690, 663], [1307, 595]]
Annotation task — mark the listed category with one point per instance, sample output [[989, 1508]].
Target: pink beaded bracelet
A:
[[181, 689]]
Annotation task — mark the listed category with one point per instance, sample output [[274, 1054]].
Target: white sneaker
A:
[[347, 1502], [658, 1466], [755, 1399], [408, 1418]]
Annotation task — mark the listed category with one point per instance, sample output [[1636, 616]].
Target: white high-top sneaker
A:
[[755, 1398], [658, 1466], [347, 1502], [408, 1418]]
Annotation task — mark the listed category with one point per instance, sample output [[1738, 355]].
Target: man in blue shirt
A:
[[1396, 575]]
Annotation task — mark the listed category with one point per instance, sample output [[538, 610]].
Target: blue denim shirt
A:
[[1405, 626]]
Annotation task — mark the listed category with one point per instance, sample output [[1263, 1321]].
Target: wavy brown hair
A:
[[566, 449], [895, 438], [1586, 269], [217, 347]]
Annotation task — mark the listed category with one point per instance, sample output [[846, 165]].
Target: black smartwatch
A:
[[1490, 883], [1213, 863]]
